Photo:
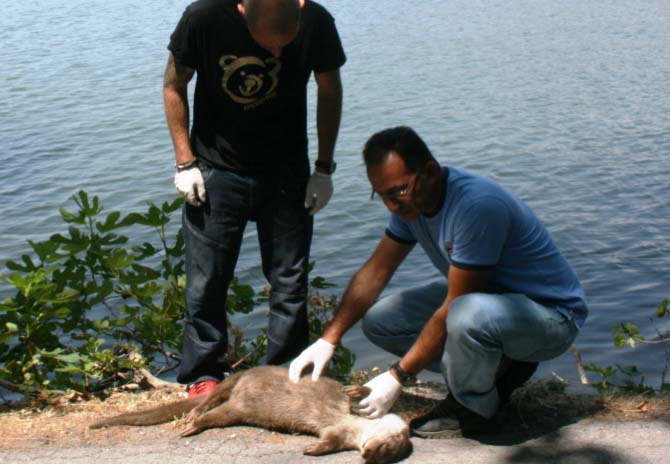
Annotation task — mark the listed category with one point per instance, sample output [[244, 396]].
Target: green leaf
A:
[[145, 271], [118, 259], [630, 371], [28, 264], [73, 218], [620, 341], [662, 309], [87, 209], [320, 283], [168, 207], [111, 222], [11, 327], [113, 239], [101, 292], [145, 250]]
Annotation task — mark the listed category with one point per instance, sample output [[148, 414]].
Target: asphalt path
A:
[[587, 441]]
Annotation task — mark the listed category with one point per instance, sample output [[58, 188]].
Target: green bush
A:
[[89, 304], [627, 334]]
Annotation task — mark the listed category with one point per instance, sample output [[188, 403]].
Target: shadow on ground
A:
[[551, 449]]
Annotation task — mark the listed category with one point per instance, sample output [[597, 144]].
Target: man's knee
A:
[[475, 315]]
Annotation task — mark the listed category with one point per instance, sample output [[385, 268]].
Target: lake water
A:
[[565, 103]]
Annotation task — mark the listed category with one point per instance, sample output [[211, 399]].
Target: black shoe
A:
[[513, 374], [450, 419]]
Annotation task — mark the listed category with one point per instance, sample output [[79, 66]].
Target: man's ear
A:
[[240, 8], [302, 3]]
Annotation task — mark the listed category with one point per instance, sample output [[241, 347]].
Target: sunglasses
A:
[[398, 193]]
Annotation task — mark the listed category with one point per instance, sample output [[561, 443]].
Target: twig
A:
[[10, 386], [559, 378], [245, 357], [147, 380], [36, 393], [580, 367]]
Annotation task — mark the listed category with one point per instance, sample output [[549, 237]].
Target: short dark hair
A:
[[282, 16], [401, 140]]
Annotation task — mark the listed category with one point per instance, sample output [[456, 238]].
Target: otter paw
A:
[[191, 416], [189, 430], [356, 392], [320, 448]]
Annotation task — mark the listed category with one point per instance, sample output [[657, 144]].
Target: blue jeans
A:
[[213, 236], [481, 328]]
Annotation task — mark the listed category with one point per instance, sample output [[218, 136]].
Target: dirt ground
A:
[[542, 405]]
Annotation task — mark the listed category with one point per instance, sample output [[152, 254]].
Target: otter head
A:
[[386, 440]]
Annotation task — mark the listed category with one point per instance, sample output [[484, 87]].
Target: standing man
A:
[[245, 159], [509, 299]]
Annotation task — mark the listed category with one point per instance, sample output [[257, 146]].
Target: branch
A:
[[245, 357], [10, 386], [580, 367], [653, 342], [36, 393], [147, 380]]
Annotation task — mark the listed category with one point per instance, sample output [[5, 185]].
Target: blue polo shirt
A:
[[483, 226]]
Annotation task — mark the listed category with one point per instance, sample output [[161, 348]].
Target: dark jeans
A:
[[213, 235]]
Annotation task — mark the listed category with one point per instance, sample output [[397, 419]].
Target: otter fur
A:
[[264, 397]]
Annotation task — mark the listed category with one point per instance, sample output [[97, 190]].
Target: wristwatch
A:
[[404, 376], [327, 166]]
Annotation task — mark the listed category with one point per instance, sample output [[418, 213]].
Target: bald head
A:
[[279, 17]]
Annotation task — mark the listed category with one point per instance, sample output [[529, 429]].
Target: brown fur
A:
[[264, 397]]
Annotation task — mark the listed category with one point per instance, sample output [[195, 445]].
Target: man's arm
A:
[[328, 112], [175, 97], [361, 292], [432, 338], [366, 286]]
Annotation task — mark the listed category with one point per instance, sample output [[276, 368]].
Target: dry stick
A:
[[146, 379], [580, 367], [17, 389], [244, 358], [9, 386]]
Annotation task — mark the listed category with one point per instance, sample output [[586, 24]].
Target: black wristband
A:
[[403, 375], [187, 165], [328, 166]]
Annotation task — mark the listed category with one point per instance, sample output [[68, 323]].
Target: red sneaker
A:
[[201, 388]]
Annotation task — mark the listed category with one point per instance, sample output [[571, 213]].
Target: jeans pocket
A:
[[206, 170]]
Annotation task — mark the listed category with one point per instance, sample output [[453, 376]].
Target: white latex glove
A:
[[385, 390], [319, 191], [318, 354], [190, 184]]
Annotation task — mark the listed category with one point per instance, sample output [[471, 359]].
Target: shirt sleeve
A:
[[183, 43], [399, 231], [327, 53], [480, 233]]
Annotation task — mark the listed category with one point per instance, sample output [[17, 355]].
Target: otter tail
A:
[[158, 415]]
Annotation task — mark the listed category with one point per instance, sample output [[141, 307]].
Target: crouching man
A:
[[509, 300]]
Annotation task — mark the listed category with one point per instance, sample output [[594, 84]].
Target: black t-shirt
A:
[[250, 108]]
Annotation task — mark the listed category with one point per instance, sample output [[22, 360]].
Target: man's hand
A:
[[385, 389], [319, 191], [190, 184], [318, 354]]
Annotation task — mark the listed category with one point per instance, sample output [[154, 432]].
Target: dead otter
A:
[[263, 396]]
